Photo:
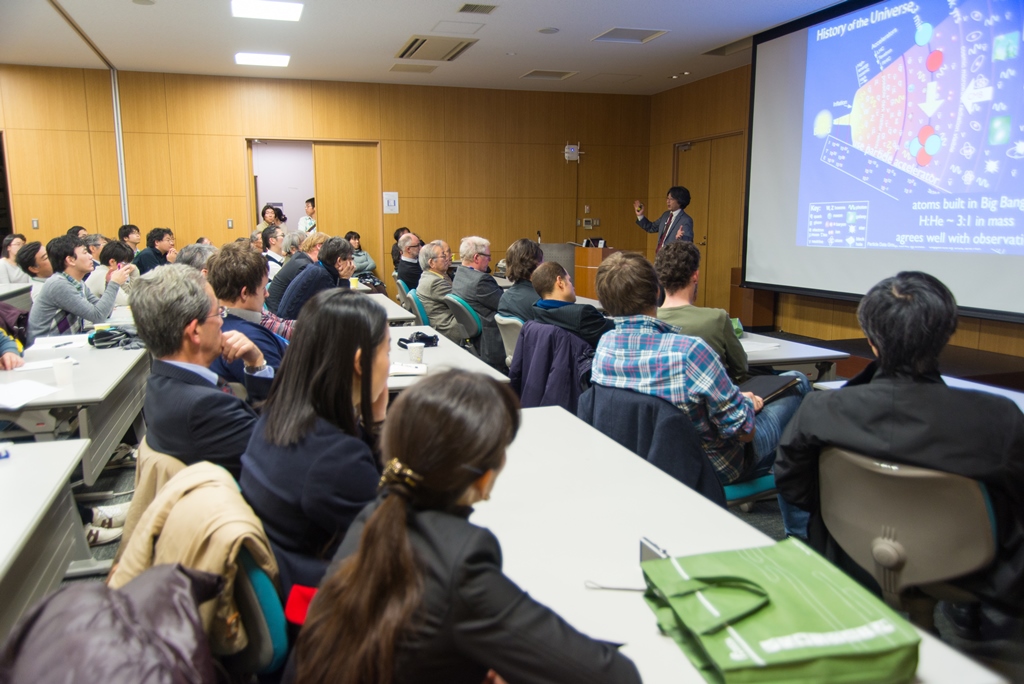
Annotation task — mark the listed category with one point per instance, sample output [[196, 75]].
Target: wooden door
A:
[[693, 172]]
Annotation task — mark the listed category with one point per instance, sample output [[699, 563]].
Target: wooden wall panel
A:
[[208, 216], [411, 112], [475, 170], [204, 105], [527, 216], [425, 216], [800, 315], [608, 119], [99, 99], [472, 115], [56, 213], [49, 162], [844, 320], [143, 102], [725, 219], [208, 165], [103, 150], [1004, 338], [538, 118], [613, 172], [151, 211], [1, 99], [702, 109], [147, 161], [277, 108], [44, 99], [348, 193], [486, 217], [618, 226], [108, 215], [349, 111], [968, 331], [413, 168], [536, 171]]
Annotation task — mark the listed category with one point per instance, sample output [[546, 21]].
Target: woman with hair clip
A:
[[310, 465], [416, 593]]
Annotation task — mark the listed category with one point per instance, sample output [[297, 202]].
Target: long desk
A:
[[571, 505], [787, 353], [19, 295], [396, 314], [445, 355], [42, 538], [105, 398]]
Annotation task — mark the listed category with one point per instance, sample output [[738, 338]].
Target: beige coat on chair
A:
[[199, 519]]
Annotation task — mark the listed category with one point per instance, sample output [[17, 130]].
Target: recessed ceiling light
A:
[[256, 59], [265, 9], [674, 76], [548, 30], [686, 73]]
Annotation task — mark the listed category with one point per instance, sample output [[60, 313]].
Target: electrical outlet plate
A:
[[35, 224], [231, 224]]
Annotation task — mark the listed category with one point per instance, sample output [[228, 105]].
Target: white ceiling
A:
[[342, 40]]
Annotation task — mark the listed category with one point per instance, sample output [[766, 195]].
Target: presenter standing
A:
[[675, 224]]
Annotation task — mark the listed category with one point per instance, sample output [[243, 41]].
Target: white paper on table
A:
[[40, 365], [61, 342], [408, 369], [14, 395], [752, 346]]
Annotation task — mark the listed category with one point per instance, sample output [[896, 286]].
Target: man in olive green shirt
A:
[[678, 267]]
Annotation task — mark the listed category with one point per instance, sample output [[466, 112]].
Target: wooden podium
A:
[[587, 261]]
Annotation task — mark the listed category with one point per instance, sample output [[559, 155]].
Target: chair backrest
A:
[[509, 327], [465, 315], [905, 525], [153, 469], [403, 291], [416, 307], [263, 616]]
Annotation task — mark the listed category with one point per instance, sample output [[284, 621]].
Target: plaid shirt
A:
[[650, 356], [276, 325]]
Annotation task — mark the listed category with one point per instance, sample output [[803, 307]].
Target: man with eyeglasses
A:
[[481, 291], [409, 269], [435, 258], [191, 413]]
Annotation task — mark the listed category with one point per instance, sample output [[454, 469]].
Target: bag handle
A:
[[684, 587]]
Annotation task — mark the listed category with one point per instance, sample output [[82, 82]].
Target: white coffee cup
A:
[[62, 372], [416, 352]]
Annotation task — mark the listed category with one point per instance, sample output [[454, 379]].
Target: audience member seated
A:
[[435, 258], [396, 251], [364, 262], [557, 305], [78, 232], [191, 413], [197, 255], [309, 252], [131, 236], [333, 269], [10, 272], [94, 243], [159, 250], [482, 292], [291, 244], [409, 268], [114, 255], [310, 466], [899, 409], [238, 277], [521, 260], [441, 608], [33, 260], [201, 240], [272, 237], [650, 356], [64, 302], [678, 267], [10, 354]]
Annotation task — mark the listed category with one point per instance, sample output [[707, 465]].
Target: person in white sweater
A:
[[10, 272]]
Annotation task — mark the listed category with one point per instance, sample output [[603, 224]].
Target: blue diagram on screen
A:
[[914, 129]]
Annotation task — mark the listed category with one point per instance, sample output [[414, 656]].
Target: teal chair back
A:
[[262, 615], [416, 306], [465, 315], [403, 291]]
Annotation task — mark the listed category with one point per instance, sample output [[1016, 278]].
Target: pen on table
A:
[[63, 344]]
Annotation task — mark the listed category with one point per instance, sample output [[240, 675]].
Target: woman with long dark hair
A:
[[310, 465], [416, 593]]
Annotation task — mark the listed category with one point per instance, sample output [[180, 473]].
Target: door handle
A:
[[703, 243]]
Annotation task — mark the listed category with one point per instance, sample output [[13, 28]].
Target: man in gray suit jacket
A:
[[482, 293], [675, 224], [435, 258]]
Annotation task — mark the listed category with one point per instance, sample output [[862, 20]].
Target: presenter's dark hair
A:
[[676, 263], [318, 372], [681, 195], [26, 256], [60, 248], [156, 235], [522, 259], [126, 230], [400, 232], [909, 318], [627, 284], [10, 239], [117, 251], [365, 609]]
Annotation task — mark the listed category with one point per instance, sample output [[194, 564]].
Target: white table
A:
[[503, 283], [571, 506], [445, 355], [786, 353], [19, 295], [42, 537], [1015, 397], [105, 398], [592, 302], [396, 314]]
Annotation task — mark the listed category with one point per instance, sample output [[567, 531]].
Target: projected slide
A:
[[913, 129]]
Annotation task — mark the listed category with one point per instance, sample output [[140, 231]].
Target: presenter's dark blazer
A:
[[193, 421], [683, 220]]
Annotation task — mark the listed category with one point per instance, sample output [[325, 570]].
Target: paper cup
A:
[[416, 352], [353, 283], [62, 372]]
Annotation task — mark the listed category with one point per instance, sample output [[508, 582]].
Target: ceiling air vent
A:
[[435, 48], [477, 9], [413, 68], [541, 75], [625, 35]]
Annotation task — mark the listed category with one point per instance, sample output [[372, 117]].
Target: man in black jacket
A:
[[557, 305], [159, 250], [191, 413], [409, 269], [309, 253]]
